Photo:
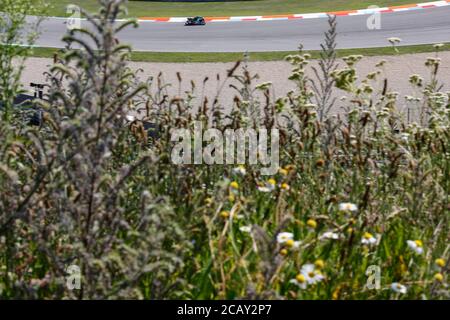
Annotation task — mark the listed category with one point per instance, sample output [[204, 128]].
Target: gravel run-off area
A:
[[397, 70]]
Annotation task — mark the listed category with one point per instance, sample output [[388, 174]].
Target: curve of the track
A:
[[423, 26]]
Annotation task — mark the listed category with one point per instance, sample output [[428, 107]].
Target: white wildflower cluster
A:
[[287, 239], [309, 275], [415, 245], [268, 186], [348, 207], [369, 240], [352, 60], [433, 62], [409, 98], [399, 288], [416, 80], [240, 170], [330, 235]]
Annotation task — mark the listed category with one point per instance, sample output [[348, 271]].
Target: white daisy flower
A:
[[283, 237], [330, 235], [246, 229], [130, 118], [300, 280], [368, 239], [397, 287], [292, 244], [348, 207], [269, 186], [310, 273], [415, 245], [296, 244], [240, 170]]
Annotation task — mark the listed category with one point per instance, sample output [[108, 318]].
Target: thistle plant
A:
[[76, 212], [323, 86]]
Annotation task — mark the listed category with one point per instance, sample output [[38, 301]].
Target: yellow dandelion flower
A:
[[283, 252], [335, 295], [290, 243], [234, 185], [438, 277], [300, 278], [402, 265], [289, 167], [367, 235], [320, 264], [440, 262], [284, 186], [225, 214], [311, 223]]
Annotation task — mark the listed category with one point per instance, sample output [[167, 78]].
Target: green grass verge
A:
[[184, 57], [235, 8]]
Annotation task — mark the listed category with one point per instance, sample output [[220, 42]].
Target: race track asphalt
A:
[[424, 26]]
